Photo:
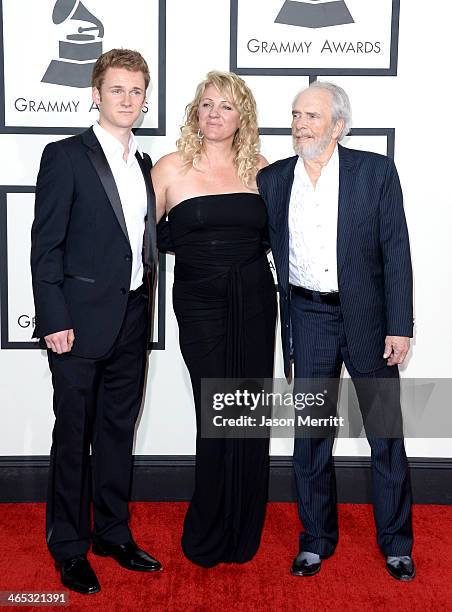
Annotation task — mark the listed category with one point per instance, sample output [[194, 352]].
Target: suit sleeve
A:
[[265, 233], [395, 246], [266, 186], [54, 196], [260, 183]]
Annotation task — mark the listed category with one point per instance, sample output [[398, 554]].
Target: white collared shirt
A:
[[132, 193], [313, 227]]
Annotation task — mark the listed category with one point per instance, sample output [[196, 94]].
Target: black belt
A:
[[330, 298]]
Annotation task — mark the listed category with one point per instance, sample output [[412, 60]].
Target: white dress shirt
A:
[[132, 193], [313, 227]]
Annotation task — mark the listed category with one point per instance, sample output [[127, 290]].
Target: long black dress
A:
[[225, 303]]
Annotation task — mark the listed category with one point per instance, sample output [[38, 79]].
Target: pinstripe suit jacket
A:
[[373, 252]]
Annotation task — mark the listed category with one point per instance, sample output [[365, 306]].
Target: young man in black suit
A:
[[340, 244], [93, 260]]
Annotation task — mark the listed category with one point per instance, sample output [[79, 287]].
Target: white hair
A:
[[340, 104]]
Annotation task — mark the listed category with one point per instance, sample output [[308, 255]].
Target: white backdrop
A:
[[415, 103]]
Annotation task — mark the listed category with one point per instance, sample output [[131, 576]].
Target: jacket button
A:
[[127, 258], [123, 291]]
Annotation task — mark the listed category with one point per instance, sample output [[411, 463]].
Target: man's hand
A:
[[396, 348], [60, 342]]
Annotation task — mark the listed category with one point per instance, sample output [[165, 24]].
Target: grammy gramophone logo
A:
[[79, 51], [314, 13]]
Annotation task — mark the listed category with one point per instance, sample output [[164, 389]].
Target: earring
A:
[[200, 135]]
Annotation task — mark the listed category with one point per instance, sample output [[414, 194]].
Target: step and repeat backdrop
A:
[[390, 55]]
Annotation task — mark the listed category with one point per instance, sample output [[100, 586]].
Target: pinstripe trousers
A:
[[320, 349]]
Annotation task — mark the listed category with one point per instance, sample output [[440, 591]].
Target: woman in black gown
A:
[[225, 303]]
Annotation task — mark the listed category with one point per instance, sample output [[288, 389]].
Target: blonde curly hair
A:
[[246, 140]]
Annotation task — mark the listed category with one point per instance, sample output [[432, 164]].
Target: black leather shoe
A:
[[303, 568], [78, 575], [403, 570], [128, 555]]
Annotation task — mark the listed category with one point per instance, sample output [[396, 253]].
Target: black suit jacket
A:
[[81, 258], [373, 252]]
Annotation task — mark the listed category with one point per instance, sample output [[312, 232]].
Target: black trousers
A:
[[320, 349], [96, 404]]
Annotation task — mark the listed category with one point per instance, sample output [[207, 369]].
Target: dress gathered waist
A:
[[189, 275]]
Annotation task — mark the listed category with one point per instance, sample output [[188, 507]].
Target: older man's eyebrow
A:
[[308, 113]]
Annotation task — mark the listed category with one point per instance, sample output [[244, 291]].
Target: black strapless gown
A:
[[225, 303]]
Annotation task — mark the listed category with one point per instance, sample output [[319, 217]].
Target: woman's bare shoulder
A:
[[261, 162], [169, 164]]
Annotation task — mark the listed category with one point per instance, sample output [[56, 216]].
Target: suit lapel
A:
[[100, 163], [150, 232], [287, 177], [286, 181], [347, 203]]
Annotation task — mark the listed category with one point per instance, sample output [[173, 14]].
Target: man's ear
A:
[[338, 128], [96, 96]]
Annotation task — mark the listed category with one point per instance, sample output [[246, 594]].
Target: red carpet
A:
[[344, 583]]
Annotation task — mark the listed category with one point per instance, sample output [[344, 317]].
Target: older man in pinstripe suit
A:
[[340, 244]]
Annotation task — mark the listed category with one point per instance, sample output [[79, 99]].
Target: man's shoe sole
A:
[[303, 574], [81, 591]]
